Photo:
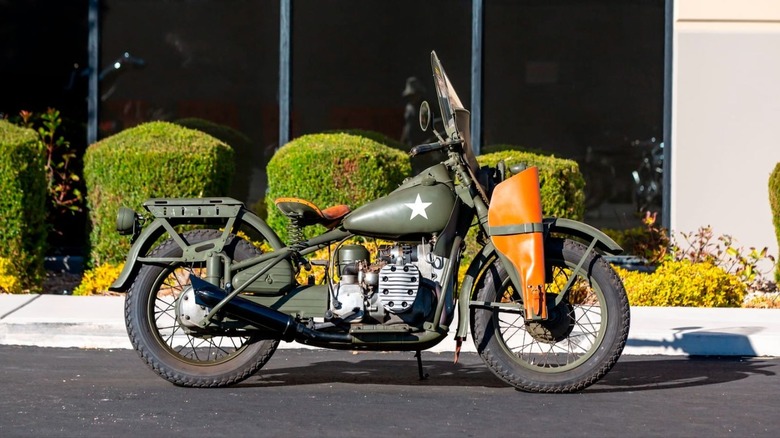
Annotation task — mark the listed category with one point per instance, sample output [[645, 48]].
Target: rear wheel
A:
[[156, 305], [580, 341]]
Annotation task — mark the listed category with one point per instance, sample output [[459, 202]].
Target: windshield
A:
[[455, 117], [448, 99]]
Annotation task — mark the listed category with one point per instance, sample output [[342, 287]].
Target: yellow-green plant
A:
[[684, 283], [9, 282], [769, 300], [97, 280]]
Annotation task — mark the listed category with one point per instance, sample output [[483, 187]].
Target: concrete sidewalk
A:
[[98, 322]]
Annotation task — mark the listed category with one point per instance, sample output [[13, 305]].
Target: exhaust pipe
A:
[[263, 317]]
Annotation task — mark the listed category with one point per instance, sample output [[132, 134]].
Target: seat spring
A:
[[294, 230]]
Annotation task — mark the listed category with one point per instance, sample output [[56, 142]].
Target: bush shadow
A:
[[637, 373]]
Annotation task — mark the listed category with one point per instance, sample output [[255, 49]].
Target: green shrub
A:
[[152, 160], [242, 146], [684, 284], [774, 202], [373, 135], [331, 169], [493, 148], [23, 195], [561, 183]]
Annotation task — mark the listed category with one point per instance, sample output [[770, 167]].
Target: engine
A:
[[400, 287]]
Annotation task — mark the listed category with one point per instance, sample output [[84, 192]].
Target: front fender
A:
[[162, 225], [488, 253], [581, 231]]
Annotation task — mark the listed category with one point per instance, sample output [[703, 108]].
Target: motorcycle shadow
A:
[[378, 368], [640, 373], [630, 374]]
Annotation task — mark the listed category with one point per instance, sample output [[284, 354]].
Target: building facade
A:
[[597, 81], [725, 117]]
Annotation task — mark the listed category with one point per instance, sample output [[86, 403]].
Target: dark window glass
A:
[[352, 60], [582, 80], [43, 50], [216, 60]]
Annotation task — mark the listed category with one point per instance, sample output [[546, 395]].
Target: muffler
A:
[[262, 317]]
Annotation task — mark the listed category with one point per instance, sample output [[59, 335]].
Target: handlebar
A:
[[430, 147]]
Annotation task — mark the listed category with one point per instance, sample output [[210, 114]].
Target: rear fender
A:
[[168, 213]]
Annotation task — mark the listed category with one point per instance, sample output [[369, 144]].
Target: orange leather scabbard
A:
[[515, 221]]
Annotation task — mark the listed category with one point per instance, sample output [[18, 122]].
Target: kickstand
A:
[[423, 375]]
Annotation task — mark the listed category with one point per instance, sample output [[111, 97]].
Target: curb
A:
[[97, 322]]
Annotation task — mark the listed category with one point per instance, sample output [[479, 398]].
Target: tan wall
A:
[[726, 117]]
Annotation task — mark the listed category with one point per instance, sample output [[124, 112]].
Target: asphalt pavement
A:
[[71, 392], [97, 322]]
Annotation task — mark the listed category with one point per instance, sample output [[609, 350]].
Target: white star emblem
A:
[[418, 208]]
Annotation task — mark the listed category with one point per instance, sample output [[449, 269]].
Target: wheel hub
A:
[[188, 312], [556, 327]]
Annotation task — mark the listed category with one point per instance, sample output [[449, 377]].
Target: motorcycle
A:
[[207, 307], [648, 177]]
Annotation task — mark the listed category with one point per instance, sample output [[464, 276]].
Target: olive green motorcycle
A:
[[212, 290]]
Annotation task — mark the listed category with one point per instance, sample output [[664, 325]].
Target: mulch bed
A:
[[60, 283]]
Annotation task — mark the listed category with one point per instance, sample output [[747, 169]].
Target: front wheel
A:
[[186, 357], [580, 341]]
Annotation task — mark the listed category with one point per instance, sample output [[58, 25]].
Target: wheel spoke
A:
[[192, 347], [541, 344]]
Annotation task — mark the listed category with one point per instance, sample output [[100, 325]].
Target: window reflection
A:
[[581, 80], [211, 60]]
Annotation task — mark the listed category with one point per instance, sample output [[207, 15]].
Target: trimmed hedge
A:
[[774, 202], [152, 160], [23, 196], [330, 169], [373, 135], [242, 146], [562, 184]]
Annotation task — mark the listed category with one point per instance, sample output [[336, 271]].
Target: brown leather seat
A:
[[309, 214]]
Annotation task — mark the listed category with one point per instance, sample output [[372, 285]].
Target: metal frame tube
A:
[[285, 76], [93, 55]]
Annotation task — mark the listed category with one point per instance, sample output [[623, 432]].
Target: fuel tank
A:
[[421, 206]]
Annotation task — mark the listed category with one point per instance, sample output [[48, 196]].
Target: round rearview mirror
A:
[[425, 115]]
